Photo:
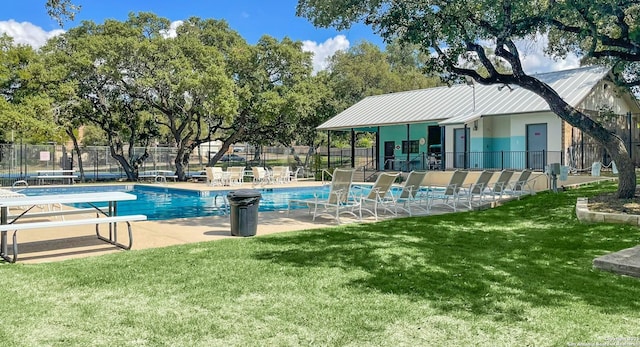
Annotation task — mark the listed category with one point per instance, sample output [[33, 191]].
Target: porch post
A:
[[328, 149], [443, 150], [353, 148], [376, 157], [408, 147], [466, 143]]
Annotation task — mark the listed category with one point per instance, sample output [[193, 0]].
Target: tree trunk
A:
[[132, 173], [225, 146], [310, 153], [76, 148], [182, 160], [626, 168], [130, 167], [295, 155], [609, 140], [257, 152]]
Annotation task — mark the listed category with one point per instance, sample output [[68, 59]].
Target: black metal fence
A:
[[578, 158]]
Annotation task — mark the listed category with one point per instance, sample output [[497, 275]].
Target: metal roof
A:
[[451, 105]]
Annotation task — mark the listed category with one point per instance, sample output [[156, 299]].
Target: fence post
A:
[[95, 168], [501, 160]]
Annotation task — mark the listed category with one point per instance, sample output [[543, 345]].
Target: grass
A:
[[518, 275]]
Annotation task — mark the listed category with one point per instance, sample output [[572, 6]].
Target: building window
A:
[[410, 147]]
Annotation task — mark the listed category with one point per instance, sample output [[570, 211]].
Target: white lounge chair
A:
[[293, 175], [497, 189], [280, 174], [523, 185], [338, 201], [235, 174], [450, 196], [477, 189], [379, 195], [9, 193], [260, 176], [412, 194], [215, 176]]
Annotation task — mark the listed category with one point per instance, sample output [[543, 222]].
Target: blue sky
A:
[[251, 18], [27, 20], [28, 23]]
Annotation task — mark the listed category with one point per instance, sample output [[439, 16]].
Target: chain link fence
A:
[[95, 163]]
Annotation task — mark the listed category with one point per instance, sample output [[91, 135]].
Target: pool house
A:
[[473, 126]]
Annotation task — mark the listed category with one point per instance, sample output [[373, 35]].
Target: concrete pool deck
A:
[[55, 244]]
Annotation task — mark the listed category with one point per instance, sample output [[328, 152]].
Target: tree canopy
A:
[[600, 31], [24, 104], [139, 85], [61, 10], [458, 35]]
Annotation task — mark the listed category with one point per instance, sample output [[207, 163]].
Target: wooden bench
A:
[[112, 239]]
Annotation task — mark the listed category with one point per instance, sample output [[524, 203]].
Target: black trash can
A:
[[244, 205]]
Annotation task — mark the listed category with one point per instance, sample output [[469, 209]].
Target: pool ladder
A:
[[225, 203]]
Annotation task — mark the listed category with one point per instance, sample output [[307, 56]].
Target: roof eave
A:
[[320, 127]]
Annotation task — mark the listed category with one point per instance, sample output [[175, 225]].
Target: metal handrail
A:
[[363, 168], [328, 173], [403, 166]]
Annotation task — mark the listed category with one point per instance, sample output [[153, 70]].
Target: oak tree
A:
[[451, 32]]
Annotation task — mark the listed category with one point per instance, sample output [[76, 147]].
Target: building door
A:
[[536, 146], [389, 149], [460, 147]]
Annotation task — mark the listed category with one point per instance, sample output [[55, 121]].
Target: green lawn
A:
[[518, 275]]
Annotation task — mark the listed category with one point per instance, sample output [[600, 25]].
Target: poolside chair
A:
[[497, 189], [379, 195], [6, 193], [9, 193], [477, 189], [450, 195], [280, 174], [215, 175], [260, 176], [412, 194], [338, 201], [293, 175], [523, 185], [235, 174]]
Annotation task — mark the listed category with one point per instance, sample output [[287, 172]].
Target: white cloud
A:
[[171, 32], [532, 56], [321, 52], [27, 33], [535, 61]]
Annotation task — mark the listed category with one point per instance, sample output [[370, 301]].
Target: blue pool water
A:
[[160, 203]]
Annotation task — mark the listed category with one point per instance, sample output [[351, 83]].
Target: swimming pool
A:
[[161, 203]]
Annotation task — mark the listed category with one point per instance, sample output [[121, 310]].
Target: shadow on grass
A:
[[533, 251]]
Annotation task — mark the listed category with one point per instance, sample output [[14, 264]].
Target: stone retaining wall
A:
[[586, 216]]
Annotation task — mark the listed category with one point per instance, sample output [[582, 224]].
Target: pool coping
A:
[[57, 245]]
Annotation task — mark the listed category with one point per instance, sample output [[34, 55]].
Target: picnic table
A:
[[108, 215]]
